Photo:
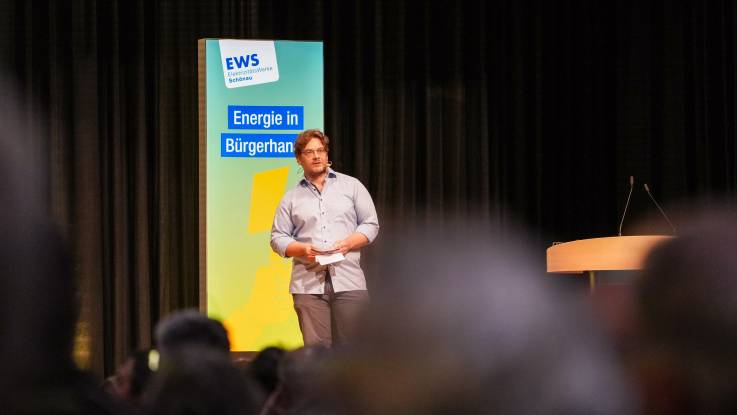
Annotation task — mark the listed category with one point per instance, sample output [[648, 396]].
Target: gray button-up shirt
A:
[[322, 219]]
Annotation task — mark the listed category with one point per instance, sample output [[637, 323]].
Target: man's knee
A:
[[347, 310], [314, 320]]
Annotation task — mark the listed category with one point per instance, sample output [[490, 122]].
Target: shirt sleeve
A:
[[368, 220], [282, 228]]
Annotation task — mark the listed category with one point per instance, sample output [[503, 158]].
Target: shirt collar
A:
[[331, 174]]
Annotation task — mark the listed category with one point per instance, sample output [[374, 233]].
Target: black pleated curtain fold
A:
[[516, 109]]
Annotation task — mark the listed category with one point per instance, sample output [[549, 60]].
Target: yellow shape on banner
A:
[[266, 317], [268, 188], [267, 313]]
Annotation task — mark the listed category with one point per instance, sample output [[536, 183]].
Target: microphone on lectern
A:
[[647, 189], [626, 205]]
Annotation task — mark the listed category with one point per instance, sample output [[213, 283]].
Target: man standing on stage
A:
[[326, 213]]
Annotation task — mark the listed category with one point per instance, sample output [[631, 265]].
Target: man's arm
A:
[[367, 221], [282, 229], [282, 241]]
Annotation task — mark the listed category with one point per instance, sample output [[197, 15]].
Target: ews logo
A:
[[248, 62], [241, 62]]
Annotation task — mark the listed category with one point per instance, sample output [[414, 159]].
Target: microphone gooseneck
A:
[[662, 212], [626, 205]]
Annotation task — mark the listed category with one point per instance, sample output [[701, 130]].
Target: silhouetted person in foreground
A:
[[687, 296], [464, 323], [38, 310]]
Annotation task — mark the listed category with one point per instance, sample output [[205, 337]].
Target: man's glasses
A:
[[312, 153]]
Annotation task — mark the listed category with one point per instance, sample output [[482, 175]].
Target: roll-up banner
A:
[[255, 96]]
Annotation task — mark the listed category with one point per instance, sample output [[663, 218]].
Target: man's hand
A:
[[309, 252], [343, 246], [353, 242], [301, 250]]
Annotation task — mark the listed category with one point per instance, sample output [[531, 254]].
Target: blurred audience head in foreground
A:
[[200, 380], [188, 328], [465, 321], [299, 389], [265, 368], [195, 373], [687, 298]]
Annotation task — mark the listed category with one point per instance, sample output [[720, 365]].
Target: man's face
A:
[[314, 158]]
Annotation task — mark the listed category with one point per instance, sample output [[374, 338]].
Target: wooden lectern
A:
[[616, 253]]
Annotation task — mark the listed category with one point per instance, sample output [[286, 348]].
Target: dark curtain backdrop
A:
[[535, 110]]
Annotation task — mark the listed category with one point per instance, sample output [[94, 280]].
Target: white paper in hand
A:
[[329, 259]]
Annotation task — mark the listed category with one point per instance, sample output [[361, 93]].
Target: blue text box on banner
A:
[[257, 145], [261, 117]]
